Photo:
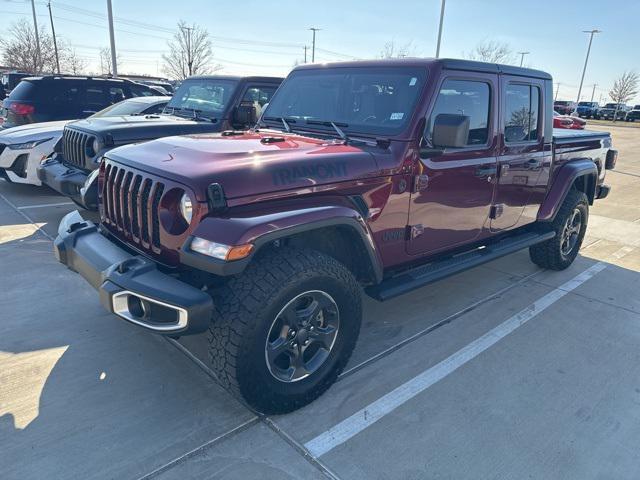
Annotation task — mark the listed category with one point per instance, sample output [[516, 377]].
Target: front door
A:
[[452, 192], [522, 156]]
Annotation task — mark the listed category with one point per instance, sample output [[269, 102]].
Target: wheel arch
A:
[[581, 175], [338, 230]]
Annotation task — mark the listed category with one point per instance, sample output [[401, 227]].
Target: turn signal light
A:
[[241, 251]]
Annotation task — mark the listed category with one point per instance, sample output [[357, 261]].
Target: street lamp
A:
[[586, 60], [522, 54]]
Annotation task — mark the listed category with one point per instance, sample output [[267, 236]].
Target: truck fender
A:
[[564, 180], [267, 228]]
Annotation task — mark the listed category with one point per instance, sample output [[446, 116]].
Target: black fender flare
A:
[[267, 228], [564, 180]]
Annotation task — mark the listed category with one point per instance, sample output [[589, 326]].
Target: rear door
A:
[[523, 155], [452, 192]]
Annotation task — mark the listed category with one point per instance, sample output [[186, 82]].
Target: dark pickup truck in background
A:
[[633, 115], [613, 111], [205, 104], [422, 169]]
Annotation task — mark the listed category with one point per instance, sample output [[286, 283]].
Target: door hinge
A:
[[496, 211], [415, 231]]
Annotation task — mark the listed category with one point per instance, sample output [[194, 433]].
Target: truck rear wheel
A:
[[570, 226], [285, 328]]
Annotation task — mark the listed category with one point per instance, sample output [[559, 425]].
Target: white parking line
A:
[[367, 416], [26, 207]]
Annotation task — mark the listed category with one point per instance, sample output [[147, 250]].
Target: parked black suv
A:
[[50, 98], [204, 104]]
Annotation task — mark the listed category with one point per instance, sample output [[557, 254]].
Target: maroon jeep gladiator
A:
[[386, 175]]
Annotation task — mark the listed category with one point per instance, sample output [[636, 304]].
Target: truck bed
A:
[[564, 135]]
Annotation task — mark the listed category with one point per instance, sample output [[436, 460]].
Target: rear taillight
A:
[[22, 108]]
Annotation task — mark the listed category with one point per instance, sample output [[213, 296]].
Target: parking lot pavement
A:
[[505, 371]]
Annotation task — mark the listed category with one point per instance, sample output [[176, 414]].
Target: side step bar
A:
[[420, 276]]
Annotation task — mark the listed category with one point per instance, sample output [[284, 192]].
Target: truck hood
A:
[[33, 131], [133, 128], [256, 164]]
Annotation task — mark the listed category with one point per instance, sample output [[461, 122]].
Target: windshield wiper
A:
[[286, 122], [195, 114], [336, 126]]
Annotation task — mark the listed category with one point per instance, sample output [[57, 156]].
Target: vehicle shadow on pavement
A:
[[84, 395]]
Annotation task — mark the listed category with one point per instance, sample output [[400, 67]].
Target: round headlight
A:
[[186, 207], [96, 146]]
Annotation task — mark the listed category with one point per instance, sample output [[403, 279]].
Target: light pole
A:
[[55, 43], [586, 60], [189, 55], [35, 27], [440, 29], [112, 38], [522, 54], [593, 92], [555, 98], [313, 45]]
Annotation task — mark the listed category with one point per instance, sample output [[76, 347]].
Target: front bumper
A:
[[131, 286], [70, 182]]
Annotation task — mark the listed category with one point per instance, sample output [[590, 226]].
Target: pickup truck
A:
[[564, 107], [588, 109], [633, 114], [613, 111], [202, 104], [378, 176]]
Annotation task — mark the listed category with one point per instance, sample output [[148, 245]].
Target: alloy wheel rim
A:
[[571, 232], [302, 336]]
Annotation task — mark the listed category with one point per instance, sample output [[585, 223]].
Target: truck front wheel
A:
[[570, 226], [285, 328]]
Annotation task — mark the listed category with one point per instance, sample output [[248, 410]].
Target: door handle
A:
[[533, 164]]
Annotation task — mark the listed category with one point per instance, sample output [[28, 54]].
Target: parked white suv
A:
[[23, 148]]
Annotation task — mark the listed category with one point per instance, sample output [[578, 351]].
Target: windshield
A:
[[637, 107], [206, 97], [370, 101], [586, 104], [126, 107], [561, 103], [610, 105]]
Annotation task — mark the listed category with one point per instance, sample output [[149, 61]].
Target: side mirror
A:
[[450, 130], [245, 115]]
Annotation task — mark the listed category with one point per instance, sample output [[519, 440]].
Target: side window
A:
[[140, 91], [465, 97], [261, 95], [521, 113], [95, 97], [66, 94], [116, 94]]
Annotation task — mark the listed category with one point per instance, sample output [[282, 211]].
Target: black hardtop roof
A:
[[236, 77], [445, 63]]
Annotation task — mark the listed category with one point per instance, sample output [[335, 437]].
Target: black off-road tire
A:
[[245, 309], [549, 254]]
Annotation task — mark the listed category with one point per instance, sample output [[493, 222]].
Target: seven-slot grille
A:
[[130, 203], [74, 147]]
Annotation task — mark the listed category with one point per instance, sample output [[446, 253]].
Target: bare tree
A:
[[625, 87], [19, 49], [392, 50], [492, 51], [106, 65], [189, 52], [73, 63]]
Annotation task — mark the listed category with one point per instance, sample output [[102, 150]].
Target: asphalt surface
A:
[[505, 371]]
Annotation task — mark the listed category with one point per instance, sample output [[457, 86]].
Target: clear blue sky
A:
[[270, 35]]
